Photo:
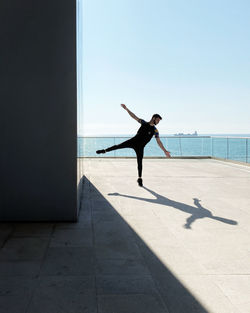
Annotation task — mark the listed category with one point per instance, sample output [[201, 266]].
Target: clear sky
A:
[[189, 61]]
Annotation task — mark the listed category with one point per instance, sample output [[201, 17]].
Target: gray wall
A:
[[38, 110]]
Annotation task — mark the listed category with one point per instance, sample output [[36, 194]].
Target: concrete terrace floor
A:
[[181, 244]]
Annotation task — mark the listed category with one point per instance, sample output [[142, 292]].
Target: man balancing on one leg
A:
[[139, 141]]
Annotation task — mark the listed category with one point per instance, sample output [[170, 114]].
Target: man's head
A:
[[156, 119]]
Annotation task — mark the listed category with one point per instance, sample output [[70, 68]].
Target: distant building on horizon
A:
[[182, 134]]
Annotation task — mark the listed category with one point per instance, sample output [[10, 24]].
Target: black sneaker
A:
[[100, 151], [139, 181]]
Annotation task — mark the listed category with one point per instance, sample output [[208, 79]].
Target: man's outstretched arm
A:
[[130, 113], [162, 147]]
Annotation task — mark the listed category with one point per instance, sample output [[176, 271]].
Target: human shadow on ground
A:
[[197, 211]]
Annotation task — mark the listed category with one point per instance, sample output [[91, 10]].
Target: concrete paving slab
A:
[[72, 237], [111, 232], [65, 261], [15, 294], [80, 225], [120, 284], [32, 229], [24, 249], [208, 293], [178, 259], [99, 217], [131, 304], [19, 268], [5, 230], [121, 267], [68, 294], [236, 288], [118, 249]]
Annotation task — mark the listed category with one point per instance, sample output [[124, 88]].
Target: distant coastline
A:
[[182, 134], [167, 135]]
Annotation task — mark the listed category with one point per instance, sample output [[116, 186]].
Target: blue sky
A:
[[189, 61]]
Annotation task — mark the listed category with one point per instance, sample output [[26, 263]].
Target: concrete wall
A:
[[38, 110]]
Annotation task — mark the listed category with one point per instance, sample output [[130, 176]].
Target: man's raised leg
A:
[[125, 144]]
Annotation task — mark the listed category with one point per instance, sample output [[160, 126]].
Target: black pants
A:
[[139, 149]]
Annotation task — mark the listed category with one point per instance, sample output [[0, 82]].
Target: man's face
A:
[[156, 120]]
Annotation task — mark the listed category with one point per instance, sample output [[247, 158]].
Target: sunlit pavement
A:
[[180, 244]]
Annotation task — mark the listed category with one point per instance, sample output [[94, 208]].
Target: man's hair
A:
[[157, 116]]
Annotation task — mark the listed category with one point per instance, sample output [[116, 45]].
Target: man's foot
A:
[[100, 151], [139, 181]]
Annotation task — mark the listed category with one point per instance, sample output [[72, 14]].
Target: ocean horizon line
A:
[[170, 135]]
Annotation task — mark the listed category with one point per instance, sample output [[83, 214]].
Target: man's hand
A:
[[130, 113], [167, 154], [124, 106]]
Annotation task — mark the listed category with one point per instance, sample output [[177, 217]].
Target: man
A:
[[139, 141]]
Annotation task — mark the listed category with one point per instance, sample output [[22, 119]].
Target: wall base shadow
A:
[[98, 264], [119, 241]]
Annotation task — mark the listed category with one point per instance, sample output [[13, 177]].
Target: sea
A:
[[226, 146]]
